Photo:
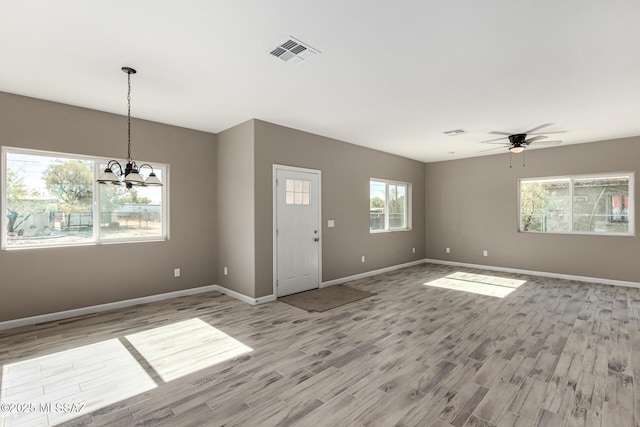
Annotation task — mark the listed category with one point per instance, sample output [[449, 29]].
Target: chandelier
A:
[[130, 174]]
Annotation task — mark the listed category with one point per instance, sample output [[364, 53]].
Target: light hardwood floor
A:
[[437, 346]]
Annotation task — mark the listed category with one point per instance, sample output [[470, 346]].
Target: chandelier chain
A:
[[131, 171], [129, 117]]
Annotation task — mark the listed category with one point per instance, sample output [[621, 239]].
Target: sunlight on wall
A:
[[182, 348], [55, 388], [480, 284]]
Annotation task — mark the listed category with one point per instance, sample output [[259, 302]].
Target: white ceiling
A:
[[391, 76]]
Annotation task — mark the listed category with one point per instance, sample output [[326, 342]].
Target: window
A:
[[592, 204], [389, 205], [53, 199], [297, 192]]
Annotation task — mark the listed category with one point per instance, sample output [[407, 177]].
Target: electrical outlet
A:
[[448, 250], [362, 258], [413, 250], [485, 253], [331, 223], [225, 271], [176, 272]]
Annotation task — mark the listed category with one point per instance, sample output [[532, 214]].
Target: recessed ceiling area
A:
[[391, 76]]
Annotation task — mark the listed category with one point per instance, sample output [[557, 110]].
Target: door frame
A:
[[276, 168]]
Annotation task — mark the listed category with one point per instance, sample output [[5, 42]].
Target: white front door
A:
[[297, 230]]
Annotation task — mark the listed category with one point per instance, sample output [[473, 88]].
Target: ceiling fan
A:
[[518, 142]]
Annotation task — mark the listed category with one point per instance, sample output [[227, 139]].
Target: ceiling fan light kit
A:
[[518, 142]]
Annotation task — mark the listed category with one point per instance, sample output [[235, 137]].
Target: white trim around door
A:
[[294, 169]]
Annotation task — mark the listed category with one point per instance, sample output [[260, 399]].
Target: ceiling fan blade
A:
[[501, 133], [506, 144], [538, 128], [555, 142], [534, 139], [545, 133], [491, 140], [494, 148]]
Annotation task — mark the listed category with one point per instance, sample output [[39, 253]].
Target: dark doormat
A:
[[324, 299]]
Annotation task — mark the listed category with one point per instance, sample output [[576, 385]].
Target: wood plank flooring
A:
[[437, 346]]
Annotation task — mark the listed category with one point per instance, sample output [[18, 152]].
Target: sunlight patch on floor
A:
[[185, 347], [49, 390], [480, 284]]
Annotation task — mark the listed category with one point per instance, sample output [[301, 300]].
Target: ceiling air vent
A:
[[293, 51]]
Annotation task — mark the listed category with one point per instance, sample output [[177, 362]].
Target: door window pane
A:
[[297, 192]]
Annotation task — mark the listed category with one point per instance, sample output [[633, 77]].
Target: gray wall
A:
[[221, 210], [471, 205], [346, 169], [39, 281], [235, 216]]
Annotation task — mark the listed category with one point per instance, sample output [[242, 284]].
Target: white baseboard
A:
[[243, 297], [272, 297], [267, 298], [27, 321], [538, 273], [370, 273]]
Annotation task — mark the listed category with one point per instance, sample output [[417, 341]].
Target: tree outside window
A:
[[388, 205], [54, 200], [592, 204]]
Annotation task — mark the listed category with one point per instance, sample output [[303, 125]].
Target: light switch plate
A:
[[331, 223]]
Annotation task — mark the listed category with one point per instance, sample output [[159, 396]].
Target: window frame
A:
[[407, 206], [571, 179], [96, 238]]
